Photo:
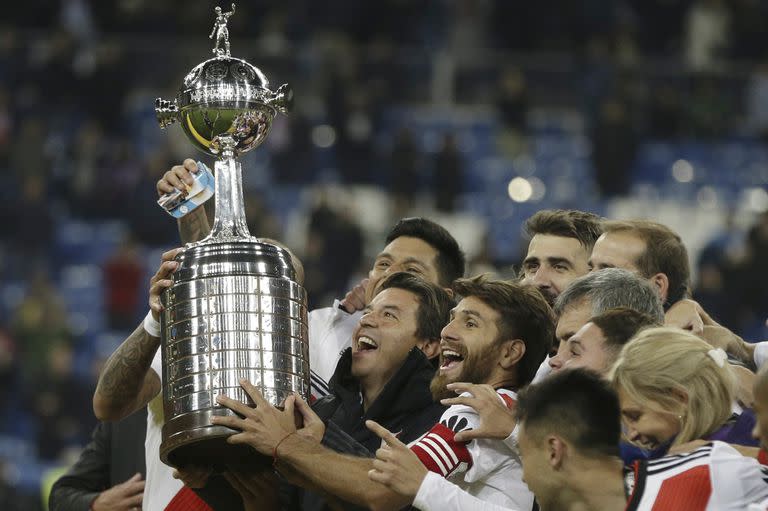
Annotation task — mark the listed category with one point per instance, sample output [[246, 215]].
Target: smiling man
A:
[[650, 249], [597, 345], [560, 245], [498, 335]]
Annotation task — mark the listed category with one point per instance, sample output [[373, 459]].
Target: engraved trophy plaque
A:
[[235, 309]]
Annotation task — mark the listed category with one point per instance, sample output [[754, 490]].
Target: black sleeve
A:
[[89, 476]]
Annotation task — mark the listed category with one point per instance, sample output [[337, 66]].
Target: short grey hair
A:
[[610, 288]]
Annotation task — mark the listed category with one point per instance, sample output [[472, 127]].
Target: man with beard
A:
[[498, 335], [560, 246]]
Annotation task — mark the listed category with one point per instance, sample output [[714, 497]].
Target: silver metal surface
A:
[[224, 97], [234, 309]]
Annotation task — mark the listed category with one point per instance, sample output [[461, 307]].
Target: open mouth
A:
[[449, 359], [365, 344]]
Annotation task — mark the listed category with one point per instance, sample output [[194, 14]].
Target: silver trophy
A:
[[235, 309]]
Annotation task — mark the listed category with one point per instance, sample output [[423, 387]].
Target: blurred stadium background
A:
[[474, 112]]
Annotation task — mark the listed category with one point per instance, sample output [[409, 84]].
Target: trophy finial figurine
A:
[[221, 32]]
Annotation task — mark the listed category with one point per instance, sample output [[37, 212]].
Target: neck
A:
[[500, 379], [372, 386], [582, 494]]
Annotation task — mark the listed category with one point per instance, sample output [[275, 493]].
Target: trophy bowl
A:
[[225, 97]]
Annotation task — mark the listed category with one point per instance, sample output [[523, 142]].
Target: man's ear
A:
[[449, 291], [512, 352], [430, 347], [661, 281], [557, 451]]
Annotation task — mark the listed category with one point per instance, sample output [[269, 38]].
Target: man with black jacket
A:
[[385, 375], [108, 475]]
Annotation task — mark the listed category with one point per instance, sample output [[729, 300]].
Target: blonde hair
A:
[[660, 363]]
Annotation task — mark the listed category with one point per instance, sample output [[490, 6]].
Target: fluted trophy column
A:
[[235, 309]]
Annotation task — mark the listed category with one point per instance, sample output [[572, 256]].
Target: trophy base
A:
[[208, 447]]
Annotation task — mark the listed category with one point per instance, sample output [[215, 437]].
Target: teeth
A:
[[367, 341], [451, 353]]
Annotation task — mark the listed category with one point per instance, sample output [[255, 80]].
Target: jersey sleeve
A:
[[737, 481], [438, 494], [439, 451]]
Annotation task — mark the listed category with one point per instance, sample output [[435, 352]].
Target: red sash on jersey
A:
[[187, 500], [762, 457]]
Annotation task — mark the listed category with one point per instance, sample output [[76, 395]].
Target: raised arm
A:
[[127, 382]]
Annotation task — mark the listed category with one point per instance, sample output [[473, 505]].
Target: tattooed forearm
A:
[[194, 226], [124, 384]]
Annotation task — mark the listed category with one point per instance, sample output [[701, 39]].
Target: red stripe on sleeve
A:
[[762, 457], [440, 453]]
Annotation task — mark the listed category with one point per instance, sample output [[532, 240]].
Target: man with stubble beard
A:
[[498, 335]]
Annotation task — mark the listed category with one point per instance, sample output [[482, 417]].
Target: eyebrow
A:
[[407, 260], [550, 260], [391, 308], [559, 260], [468, 312], [575, 341]]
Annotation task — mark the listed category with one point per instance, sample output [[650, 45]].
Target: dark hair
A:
[[575, 404], [664, 253], [524, 314], [568, 223], [450, 260], [435, 303], [619, 325]]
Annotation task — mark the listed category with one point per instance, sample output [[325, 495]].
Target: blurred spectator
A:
[[8, 369], [756, 107], [406, 162], [56, 399], [39, 321], [512, 99], [664, 112], [291, 145], [124, 286], [708, 108], [6, 126], [29, 224], [261, 221], [88, 168], [614, 144], [449, 174], [334, 251], [750, 39], [707, 34], [28, 150], [355, 139]]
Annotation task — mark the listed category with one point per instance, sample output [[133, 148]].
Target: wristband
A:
[[274, 451], [151, 325]]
